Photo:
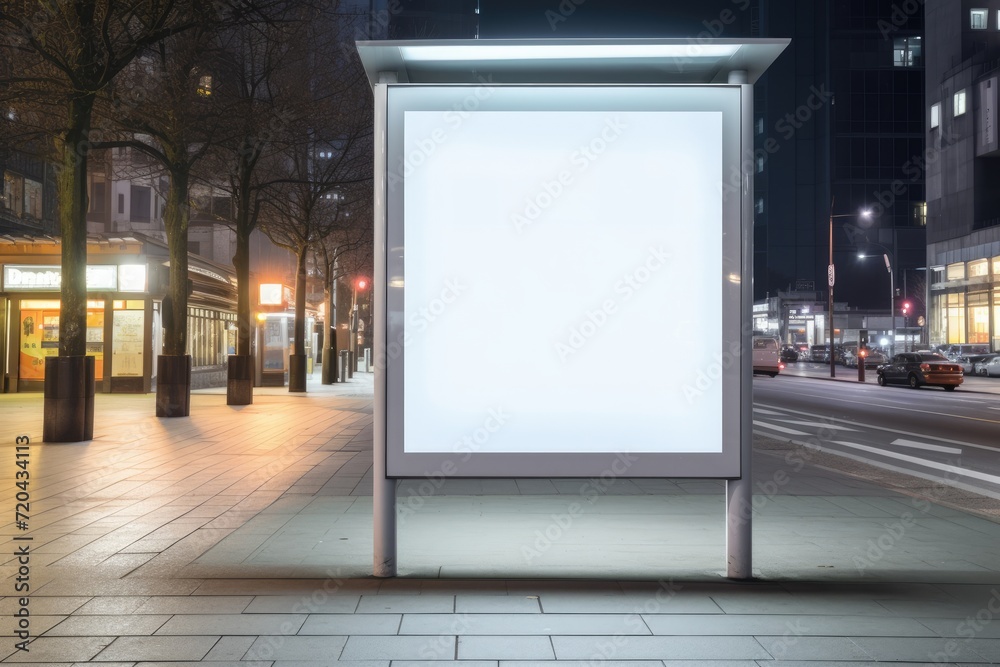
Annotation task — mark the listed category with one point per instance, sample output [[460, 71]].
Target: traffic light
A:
[[906, 308]]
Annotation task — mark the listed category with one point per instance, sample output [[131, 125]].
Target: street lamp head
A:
[[866, 213]]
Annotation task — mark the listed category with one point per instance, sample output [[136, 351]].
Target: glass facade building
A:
[[963, 168]]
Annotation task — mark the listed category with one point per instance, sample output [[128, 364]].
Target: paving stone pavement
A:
[[242, 536]]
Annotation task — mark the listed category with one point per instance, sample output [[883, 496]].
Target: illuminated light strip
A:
[[566, 51], [943, 467]]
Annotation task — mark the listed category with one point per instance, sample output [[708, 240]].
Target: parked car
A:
[[917, 369], [874, 358], [820, 354], [989, 366], [789, 354], [954, 352], [766, 359], [968, 362]]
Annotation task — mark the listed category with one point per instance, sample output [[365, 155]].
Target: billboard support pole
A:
[[383, 488], [739, 492]]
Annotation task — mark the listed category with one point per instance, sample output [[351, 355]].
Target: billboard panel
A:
[[563, 280]]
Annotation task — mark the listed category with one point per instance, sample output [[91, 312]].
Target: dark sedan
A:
[[917, 369]]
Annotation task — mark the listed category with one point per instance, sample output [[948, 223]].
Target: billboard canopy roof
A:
[[574, 61]]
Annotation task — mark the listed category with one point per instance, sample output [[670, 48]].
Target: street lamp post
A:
[[830, 279], [887, 257], [892, 307]]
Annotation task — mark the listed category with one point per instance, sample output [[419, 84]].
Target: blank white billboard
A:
[[563, 285]]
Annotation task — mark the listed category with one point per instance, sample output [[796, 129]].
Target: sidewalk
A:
[[242, 536]]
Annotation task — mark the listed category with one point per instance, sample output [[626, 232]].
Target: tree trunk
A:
[[330, 359], [173, 384], [297, 359], [241, 260], [68, 406], [300, 301], [72, 196], [175, 219]]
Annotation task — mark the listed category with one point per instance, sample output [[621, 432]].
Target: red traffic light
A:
[[906, 307]]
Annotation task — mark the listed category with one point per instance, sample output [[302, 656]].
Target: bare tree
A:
[[66, 55], [328, 165]]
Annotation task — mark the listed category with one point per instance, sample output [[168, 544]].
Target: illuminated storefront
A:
[[965, 303], [126, 281]]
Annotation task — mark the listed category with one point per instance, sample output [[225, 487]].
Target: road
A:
[[951, 438]]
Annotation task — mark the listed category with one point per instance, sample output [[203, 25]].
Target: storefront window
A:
[[127, 339], [956, 318], [938, 329], [979, 317], [979, 268], [956, 271], [996, 268], [996, 319], [275, 343], [39, 337], [207, 341]]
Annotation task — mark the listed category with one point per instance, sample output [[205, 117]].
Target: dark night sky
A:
[[609, 18]]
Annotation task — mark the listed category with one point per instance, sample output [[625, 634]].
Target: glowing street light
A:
[[830, 274]]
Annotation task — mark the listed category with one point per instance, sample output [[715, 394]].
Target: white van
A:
[[766, 356]]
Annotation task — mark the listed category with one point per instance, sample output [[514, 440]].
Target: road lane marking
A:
[[895, 431], [827, 425], [769, 412], [780, 429], [923, 445], [926, 412], [908, 471], [943, 467]]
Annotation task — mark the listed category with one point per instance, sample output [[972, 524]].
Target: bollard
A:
[[343, 365]]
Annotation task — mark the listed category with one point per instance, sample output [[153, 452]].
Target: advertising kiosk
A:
[[543, 208]]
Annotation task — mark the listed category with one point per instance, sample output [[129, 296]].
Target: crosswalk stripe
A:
[[923, 445], [944, 467], [780, 429], [827, 425]]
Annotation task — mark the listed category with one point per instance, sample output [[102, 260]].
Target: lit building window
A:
[[920, 214], [955, 271], [759, 208], [907, 51], [760, 164], [978, 19], [960, 102], [980, 268], [935, 115], [760, 126]]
